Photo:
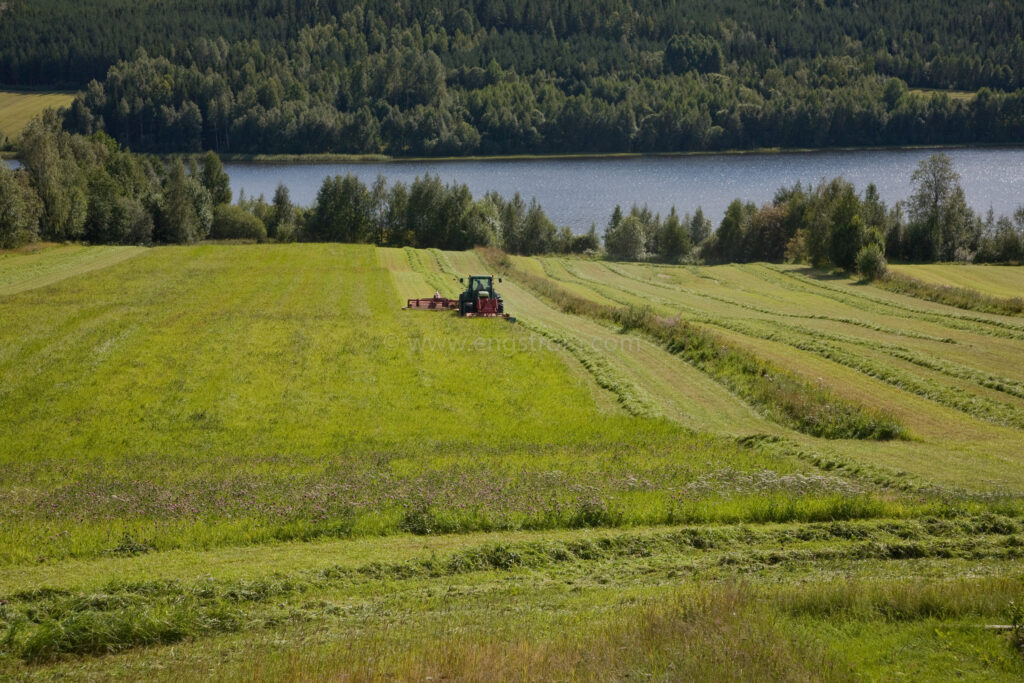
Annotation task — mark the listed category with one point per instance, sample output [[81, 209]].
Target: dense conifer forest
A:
[[456, 77]]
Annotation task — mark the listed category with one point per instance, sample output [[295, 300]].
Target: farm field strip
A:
[[23, 271], [995, 448], [405, 630], [891, 564], [270, 473], [877, 300], [977, 402], [18, 108], [775, 307], [999, 281], [684, 393], [316, 337]]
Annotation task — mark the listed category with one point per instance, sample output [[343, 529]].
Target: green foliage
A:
[[613, 76], [114, 218], [691, 52], [233, 222], [700, 227], [626, 240], [674, 238], [184, 211], [215, 179], [1003, 240], [871, 262], [729, 239], [19, 210], [342, 212], [281, 220], [941, 225], [57, 177]]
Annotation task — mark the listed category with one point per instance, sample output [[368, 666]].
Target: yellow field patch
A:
[[18, 108]]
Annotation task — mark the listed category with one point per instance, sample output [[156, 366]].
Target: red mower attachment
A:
[[439, 303]]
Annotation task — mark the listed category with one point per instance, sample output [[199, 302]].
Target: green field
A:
[[18, 108], [249, 458], [1000, 281]]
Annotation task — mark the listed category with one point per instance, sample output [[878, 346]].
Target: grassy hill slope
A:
[[249, 458]]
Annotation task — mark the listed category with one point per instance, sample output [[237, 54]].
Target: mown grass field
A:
[[18, 108], [249, 460], [999, 281]]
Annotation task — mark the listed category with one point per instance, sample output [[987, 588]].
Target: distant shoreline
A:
[[329, 158], [332, 158]]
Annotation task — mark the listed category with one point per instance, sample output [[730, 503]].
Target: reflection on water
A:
[[577, 192]]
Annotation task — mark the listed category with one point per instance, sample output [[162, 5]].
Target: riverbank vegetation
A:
[[521, 77], [830, 225], [89, 188]]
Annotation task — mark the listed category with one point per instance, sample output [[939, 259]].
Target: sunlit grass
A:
[[248, 460]]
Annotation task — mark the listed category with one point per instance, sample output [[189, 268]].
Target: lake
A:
[[578, 192]]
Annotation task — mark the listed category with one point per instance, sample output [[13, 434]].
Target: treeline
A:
[[77, 188], [73, 187], [453, 77], [830, 224]]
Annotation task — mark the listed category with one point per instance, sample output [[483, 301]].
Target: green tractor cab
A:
[[479, 300]]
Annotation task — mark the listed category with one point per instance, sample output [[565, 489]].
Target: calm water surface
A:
[[578, 192]]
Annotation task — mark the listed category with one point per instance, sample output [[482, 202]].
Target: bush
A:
[[235, 223], [871, 262], [625, 241]]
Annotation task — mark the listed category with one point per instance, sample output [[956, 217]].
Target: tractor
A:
[[479, 300]]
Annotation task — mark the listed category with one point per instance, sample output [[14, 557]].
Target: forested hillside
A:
[[519, 76]]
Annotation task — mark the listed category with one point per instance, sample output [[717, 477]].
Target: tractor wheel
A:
[[467, 307]]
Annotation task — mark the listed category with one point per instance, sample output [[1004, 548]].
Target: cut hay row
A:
[[633, 399], [682, 392], [817, 342], [768, 311], [960, 297], [70, 619], [1005, 282], [993, 326], [780, 395]]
